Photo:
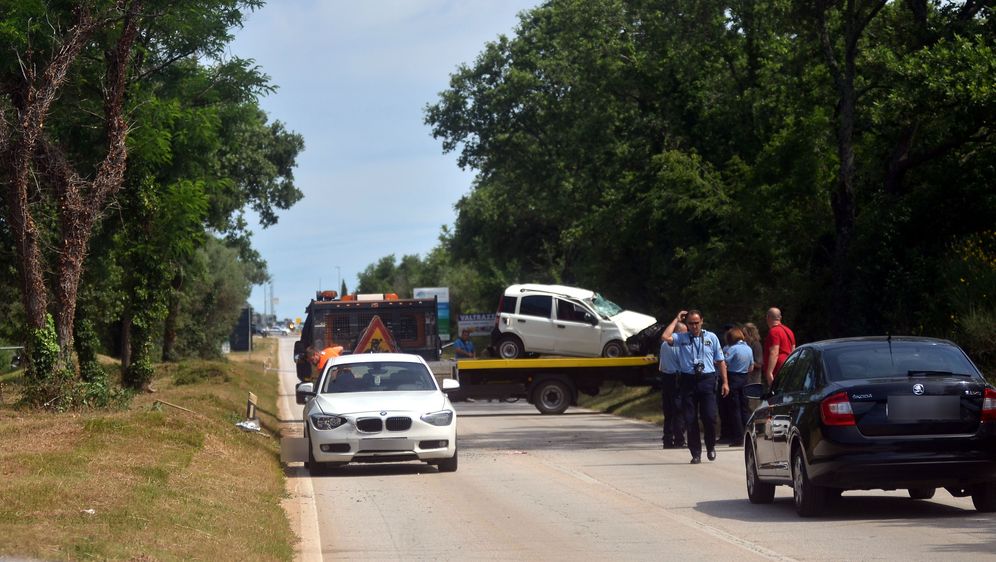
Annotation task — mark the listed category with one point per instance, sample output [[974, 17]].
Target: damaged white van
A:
[[561, 320]]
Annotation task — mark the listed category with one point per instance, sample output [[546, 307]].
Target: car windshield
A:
[[604, 306], [870, 360], [377, 376]]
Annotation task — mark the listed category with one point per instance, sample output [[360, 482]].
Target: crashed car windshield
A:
[[604, 306], [377, 377]]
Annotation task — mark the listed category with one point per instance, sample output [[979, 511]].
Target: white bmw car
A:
[[379, 407]]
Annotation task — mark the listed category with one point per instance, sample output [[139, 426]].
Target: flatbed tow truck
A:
[[551, 384]]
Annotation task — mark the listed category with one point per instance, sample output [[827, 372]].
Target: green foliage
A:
[[673, 158], [47, 384], [87, 344], [216, 286]]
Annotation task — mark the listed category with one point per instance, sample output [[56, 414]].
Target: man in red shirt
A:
[[778, 344]]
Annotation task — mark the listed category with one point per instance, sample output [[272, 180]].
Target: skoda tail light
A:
[[989, 406], [836, 410]]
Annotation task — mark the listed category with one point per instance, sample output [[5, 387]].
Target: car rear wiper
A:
[[926, 373]]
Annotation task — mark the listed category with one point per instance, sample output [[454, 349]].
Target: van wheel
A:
[[613, 349], [922, 493], [510, 348], [552, 397]]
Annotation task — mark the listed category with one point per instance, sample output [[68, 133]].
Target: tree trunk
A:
[[126, 340], [169, 329], [844, 213], [855, 18]]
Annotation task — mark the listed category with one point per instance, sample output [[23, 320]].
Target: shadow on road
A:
[[897, 512], [361, 470], [577, 431]]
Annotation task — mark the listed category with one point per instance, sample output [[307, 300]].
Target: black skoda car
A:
[[874, 413]]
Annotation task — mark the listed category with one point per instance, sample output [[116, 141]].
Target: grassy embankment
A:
[[638, 402], [152, 482]]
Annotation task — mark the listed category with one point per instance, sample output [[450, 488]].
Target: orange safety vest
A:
[[326, 354]]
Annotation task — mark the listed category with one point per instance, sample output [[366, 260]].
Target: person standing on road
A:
[[700, 358], [673, 436], [778, 344], [463, 348], [739, 362], [753, 339]]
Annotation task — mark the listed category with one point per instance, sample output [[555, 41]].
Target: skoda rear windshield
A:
[[882, 359], [604, 306]]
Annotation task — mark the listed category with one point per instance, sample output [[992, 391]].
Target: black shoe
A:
[[696, 460], [666, 445], [711, 455], [679, 445]]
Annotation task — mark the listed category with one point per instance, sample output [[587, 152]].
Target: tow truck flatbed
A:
[[551, 384]]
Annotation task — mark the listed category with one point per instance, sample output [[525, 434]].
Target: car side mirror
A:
[[590, 319], [754, 390], [449, 385], [304, 391]]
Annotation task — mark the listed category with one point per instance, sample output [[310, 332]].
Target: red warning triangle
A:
[[376, 339]]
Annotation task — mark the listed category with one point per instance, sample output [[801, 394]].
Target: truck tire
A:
[[552, 396], [614, 348], [509, 347]]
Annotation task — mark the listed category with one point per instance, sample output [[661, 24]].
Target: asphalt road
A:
[[592, 486]]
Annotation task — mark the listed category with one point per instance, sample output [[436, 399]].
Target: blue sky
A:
[[353, 79]]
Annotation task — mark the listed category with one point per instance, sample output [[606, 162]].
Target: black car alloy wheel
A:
[[757, 491]]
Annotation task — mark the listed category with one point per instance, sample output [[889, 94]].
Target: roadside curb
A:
[[300, 503]]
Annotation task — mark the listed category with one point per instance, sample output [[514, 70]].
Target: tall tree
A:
[[27, 149]]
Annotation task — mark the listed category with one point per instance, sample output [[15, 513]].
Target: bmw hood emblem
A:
[[920, 385], [918, 389]]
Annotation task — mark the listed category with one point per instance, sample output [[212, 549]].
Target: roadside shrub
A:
[[46, 384]]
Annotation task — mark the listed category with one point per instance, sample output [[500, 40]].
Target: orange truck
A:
[[331, 320]]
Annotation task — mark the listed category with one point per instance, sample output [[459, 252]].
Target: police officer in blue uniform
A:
[[673, 436], [700, 360]]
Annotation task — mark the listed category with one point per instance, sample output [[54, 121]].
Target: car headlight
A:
[[444, 417], [325, 422]]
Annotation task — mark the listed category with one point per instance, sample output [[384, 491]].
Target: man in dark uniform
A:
[[700, 359], [673, 436]]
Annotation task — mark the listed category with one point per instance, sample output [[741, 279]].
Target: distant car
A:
[[561, 320], [874, 413], [379, 407], [275, 331]]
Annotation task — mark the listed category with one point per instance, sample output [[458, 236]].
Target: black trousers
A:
[[698, 398], [674, 419], [736, 406]]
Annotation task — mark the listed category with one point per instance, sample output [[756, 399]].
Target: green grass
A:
[[637, 402], [151, 482]]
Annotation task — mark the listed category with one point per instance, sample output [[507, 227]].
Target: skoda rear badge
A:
[[918, 389]]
